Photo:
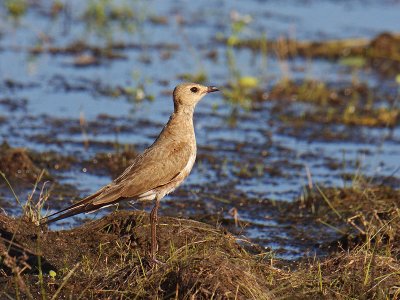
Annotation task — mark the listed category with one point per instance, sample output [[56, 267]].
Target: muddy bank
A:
[[380, 54], [320, 102], [366, 257], [108, 258]]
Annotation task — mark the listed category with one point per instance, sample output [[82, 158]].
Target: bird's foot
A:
[[153, 254], [154, 262]]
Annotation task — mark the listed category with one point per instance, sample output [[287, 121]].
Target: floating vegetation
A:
[[356, 104], [105, 17], [87, 53], [16, 8], [381, 53], [238, 91], [200, 77]]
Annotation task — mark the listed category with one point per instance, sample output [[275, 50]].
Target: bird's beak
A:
[[211, 89]]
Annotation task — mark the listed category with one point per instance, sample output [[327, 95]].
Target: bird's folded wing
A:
[[156, 167]]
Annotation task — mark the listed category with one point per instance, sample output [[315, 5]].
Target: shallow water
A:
[[57, 92]]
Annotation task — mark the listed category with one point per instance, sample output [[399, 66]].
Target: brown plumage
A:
[[158, 170]]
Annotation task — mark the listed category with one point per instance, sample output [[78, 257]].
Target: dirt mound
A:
[[107, 258], [15, 163]]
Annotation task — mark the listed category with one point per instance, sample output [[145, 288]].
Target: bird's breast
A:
[[170, 187], [189, 165]]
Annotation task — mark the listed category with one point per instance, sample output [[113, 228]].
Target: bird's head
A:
[[188, 94]]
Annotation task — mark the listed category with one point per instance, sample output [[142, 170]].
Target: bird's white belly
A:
[[186, 170], [170, 187], [149, 195], [182, 175]]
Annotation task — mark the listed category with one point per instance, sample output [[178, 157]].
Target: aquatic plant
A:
[[380, 53], [240, 85], [16, 8], [355, 104], [106, 17]]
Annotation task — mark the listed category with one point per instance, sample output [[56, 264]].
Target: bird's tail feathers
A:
[[84, 205], [59, 215]]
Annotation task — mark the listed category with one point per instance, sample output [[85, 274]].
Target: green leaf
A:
[[248, 82], [398, 78], [52, 274], [232, 40], [353, 61]]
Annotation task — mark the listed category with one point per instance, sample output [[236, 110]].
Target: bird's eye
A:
[[194, 89]]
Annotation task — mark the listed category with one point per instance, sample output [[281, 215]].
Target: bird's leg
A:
[[153, 223]]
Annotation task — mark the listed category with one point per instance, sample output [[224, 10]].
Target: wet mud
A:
[[199, 260]]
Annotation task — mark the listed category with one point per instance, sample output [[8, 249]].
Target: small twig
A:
[[83, 125], [309, 177], [234, 213], [351, 222]]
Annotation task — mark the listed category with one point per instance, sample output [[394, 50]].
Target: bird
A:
[[157, 171]]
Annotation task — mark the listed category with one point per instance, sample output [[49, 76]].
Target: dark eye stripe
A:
[[194, 89]]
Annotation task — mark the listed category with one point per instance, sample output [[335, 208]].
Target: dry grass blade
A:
[[64, 282]]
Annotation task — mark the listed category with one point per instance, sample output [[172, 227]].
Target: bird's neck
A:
[[184, 110], [180, 125]]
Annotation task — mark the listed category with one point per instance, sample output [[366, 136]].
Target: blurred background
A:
[[310, 99]]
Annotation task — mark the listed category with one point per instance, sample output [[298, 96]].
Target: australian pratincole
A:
[[158, 170]]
